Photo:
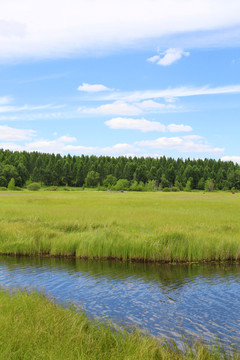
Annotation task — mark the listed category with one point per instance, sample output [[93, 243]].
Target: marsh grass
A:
[[170, 227], [33, 327]]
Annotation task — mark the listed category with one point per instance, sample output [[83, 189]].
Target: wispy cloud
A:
[[28, 108], [183, 91], [168, 57], [5, 100], [12, 134], [92, 88], [129, 109], [183, 144]]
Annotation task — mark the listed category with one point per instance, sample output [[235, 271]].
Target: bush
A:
[[3, 188], [122, 184], [18, 188], [175, 189], [34, 186]]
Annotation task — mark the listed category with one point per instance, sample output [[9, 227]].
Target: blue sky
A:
[[130, 78]]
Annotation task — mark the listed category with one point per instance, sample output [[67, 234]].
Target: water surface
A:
[[199, 300]]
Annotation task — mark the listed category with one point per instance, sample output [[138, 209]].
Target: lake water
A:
[[199, 301]]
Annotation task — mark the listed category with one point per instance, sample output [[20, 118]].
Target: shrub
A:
[[3, 188], [34, 186], [122, 184]]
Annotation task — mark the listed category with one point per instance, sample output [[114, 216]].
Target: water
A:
[[167, 301]]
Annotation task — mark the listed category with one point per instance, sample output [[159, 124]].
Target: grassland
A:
[[34, 328], [169, 227]]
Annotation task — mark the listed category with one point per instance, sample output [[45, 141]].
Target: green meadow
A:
[[32, 327], [155, 226]]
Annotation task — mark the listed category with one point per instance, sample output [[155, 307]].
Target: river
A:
[[168, 301]]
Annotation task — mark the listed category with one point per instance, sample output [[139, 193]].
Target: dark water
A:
[[200, 301]]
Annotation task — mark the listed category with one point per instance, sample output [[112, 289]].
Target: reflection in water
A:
[[199, 300]]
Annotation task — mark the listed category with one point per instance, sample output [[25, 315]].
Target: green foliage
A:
[[92, 179], [166, 189], [209, 185], [122, 184], [188, 186], [3, 188], [3, 181], [110, 181], [34, 186], [135, 186], [11, 184]]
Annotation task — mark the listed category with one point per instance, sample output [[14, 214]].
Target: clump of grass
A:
[[169, 227], [33, 327]]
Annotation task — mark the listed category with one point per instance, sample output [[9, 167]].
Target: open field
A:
[[128, 226], [41, 329]]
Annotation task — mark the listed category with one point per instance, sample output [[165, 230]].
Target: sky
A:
[[117, 77]]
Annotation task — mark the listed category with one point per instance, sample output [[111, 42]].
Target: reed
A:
[[32, 327], [170, 227]]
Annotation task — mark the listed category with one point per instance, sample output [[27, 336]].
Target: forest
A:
[[117, 173]]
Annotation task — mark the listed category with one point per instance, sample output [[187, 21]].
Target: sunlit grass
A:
[[128, 226], [34, 328]]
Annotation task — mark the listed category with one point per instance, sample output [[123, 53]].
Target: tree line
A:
[[117, 172]]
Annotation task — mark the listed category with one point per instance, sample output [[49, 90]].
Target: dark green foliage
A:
[[93, 171]]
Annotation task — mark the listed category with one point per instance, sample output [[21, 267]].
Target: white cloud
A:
[[11, 134], [181, 144], [184, 91], [58, 28], [146, 125], [179, 128], [135, 124], [92, 88], [235, 159], [168, 57]]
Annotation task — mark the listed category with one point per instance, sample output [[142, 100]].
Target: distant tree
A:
[[3, 181], [11, 184], [209, 185], [92, 178], [164, 181], [122, 184], [110, 180]]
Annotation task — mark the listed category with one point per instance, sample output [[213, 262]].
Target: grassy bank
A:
[[129, 226], [33, 327]]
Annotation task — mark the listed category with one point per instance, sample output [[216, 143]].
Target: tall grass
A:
[[167, 227], [34, 328]]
